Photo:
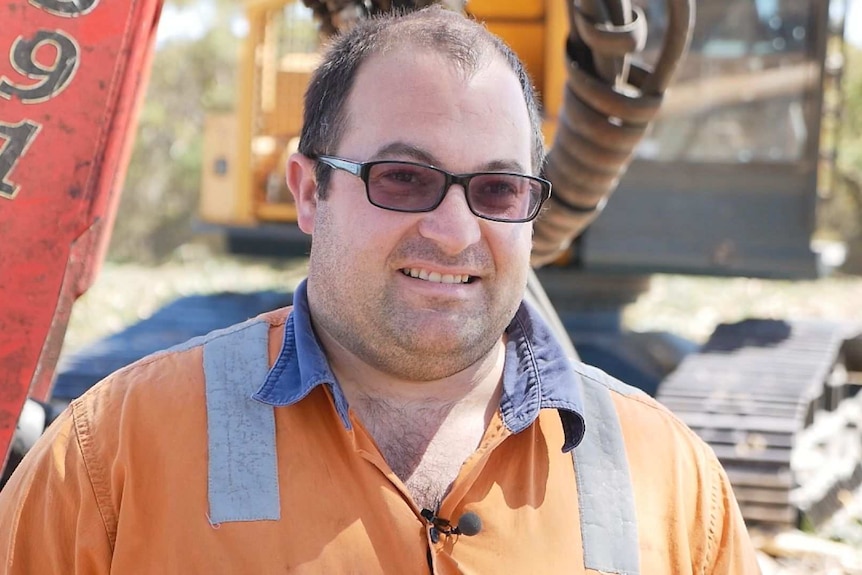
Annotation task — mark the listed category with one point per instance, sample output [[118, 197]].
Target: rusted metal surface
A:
[[71, 76], [758, 392]]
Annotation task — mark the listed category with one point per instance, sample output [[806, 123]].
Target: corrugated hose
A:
[[608, 104]]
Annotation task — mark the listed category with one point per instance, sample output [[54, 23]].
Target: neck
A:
[[477, 386], [425, 430]]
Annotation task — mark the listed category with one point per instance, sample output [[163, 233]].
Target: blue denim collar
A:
[[537, 373]]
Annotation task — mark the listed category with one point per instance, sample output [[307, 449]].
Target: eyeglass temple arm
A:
[[354, 168]]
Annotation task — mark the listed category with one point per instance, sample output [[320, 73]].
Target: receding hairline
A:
[[474, 51], [465, 43], [465, 74]]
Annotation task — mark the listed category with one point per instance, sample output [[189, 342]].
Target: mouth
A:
[[437, 277]]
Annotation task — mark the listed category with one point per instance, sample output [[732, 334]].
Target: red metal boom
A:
[[72, 75]]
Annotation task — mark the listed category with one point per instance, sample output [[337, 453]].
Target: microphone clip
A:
[[439, 524], [469, 524]]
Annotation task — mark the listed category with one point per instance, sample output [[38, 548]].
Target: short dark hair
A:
[[465, 42]]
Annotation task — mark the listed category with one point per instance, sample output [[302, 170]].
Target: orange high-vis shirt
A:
[[204, 459]]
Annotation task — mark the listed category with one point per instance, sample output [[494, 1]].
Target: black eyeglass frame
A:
[[362, 170]]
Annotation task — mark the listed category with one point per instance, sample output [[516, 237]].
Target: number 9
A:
[[53, 79]]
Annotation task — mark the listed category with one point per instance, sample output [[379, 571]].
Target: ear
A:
[[303, 186]]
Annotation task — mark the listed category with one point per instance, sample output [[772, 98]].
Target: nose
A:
[[452, 225]]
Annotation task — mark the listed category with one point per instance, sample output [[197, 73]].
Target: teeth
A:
[[436, 277]]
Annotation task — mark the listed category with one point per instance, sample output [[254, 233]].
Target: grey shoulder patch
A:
[[598, 376], [204, 339], [605, 494], [243, 468]]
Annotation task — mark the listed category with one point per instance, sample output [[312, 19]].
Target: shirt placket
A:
[[442, 545]]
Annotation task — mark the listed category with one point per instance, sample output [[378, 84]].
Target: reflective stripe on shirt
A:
[[243, 471], [605, 497]]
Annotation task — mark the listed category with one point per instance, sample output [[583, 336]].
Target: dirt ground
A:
[[687, 306]]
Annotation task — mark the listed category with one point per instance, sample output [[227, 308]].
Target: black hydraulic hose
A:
[[674, 46], [608, 104]]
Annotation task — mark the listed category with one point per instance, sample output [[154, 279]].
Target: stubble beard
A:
[[388, 335]]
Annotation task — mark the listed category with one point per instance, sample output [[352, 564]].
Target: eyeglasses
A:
[[412, 187]]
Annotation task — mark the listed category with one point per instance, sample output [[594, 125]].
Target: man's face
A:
[[361, 285]]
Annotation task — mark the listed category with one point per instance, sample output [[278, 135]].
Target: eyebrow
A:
[[416, 154]]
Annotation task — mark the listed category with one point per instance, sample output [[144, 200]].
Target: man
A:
[[409, 414]]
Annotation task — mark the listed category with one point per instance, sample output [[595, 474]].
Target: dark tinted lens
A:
[[404, 186], [504, 196]]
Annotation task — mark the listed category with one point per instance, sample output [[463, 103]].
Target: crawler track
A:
[[777, 403]]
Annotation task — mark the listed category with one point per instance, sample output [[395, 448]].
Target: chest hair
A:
[[425, 446]]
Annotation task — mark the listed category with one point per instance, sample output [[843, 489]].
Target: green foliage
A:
[[848, 189], [159, 202], [840, 215], [850, 147]]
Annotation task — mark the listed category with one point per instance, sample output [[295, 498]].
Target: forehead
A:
[[420, 97]]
